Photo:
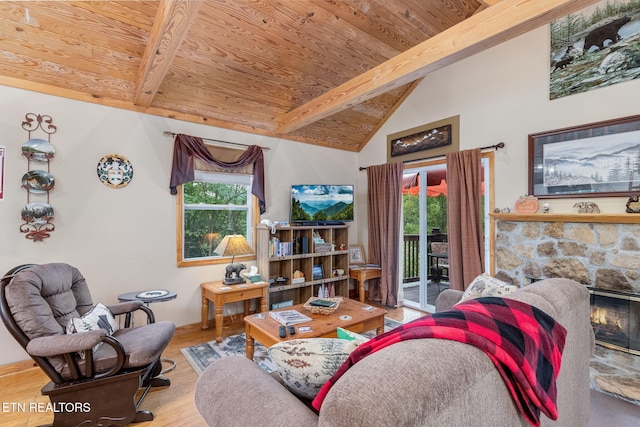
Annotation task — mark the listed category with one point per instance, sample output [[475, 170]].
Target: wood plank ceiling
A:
[[324, 72]]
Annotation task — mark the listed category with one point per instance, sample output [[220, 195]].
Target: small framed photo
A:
[[318, 272], [356, 254]]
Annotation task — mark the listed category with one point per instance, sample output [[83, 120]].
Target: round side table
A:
[[155, 295]]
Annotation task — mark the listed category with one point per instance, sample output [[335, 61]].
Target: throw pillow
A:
[[345, 334], [487, 286], [306, 364], [99, 317]]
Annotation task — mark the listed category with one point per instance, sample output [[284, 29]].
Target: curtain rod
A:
[[168, 133], [495, 146]]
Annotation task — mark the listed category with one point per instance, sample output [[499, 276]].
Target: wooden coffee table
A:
[[351, 315]]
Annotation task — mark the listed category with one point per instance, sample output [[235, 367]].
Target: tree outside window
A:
[[213, 206]]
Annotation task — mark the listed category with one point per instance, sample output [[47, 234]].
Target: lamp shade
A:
[[232, 245]]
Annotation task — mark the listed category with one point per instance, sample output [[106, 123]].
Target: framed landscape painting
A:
[[594, 160], [433, 139]]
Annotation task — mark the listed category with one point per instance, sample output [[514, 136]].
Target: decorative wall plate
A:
[[38, 181], [38, 149], [37, 213], [115, 171]]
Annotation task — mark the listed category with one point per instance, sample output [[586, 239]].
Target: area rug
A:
[[201, 355]]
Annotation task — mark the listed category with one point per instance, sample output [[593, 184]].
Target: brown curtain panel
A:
[[187, 148], [464, 216], [384, 211]]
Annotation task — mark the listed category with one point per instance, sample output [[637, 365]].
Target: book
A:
[[289, 317]]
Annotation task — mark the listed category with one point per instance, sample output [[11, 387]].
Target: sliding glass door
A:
[[424, 253]]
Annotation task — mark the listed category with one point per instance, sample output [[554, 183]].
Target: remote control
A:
[[283, 332], [292, 330]]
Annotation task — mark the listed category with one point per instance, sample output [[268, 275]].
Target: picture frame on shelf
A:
[[356, 255], [592, 160], [318, 272], [432, 139]]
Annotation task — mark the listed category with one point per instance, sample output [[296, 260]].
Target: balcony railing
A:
[[411, 258], [411, 255]]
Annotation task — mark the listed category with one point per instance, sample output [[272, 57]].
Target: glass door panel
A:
[[425, 264]]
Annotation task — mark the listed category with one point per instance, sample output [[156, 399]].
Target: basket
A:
[[322, 310]]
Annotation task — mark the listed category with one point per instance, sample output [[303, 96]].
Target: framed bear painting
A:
[[594, 48]]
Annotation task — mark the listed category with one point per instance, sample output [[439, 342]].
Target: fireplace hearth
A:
[[615, 317]]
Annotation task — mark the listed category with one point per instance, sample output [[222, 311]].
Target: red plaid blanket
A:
[[524, 343]]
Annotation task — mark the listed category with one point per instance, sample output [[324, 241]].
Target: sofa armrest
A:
[[234, 389], [447, 299]]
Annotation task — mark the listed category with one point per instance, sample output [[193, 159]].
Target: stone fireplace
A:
[[602, 252]]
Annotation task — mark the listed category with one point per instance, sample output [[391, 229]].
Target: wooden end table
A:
[[220, 294], [361, 275], [351, 315]]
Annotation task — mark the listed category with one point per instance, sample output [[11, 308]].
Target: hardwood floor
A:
[[172, 406]]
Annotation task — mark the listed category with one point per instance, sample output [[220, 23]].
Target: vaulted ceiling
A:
[[324, 72]]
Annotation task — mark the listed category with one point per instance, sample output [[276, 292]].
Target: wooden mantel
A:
[[589, 218]]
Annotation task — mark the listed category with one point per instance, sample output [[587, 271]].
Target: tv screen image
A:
[[322, 203]]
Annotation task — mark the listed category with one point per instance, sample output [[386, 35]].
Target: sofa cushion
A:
[[487, 286], [306, 364]]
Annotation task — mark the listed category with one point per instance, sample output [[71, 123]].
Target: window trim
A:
[[254, 217]]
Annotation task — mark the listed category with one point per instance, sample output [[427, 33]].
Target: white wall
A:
[[502, 95], [124, 240]]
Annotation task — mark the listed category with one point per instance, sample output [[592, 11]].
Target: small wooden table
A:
[[221, 294], [361, 275], [351, 315]]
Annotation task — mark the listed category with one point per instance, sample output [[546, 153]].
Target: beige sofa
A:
[[428, 382]]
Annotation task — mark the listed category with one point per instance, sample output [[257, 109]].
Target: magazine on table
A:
[[289, 317]]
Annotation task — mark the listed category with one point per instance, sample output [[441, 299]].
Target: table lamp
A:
[[232, 245]]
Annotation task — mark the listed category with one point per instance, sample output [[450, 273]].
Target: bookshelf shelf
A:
[[303, 249]]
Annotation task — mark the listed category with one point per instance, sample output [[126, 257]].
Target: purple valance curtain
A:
[[187, 147]]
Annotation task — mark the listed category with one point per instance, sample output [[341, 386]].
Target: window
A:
[[209, 208]]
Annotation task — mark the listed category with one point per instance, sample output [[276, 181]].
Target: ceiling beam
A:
[[170, 27], [494, 25]]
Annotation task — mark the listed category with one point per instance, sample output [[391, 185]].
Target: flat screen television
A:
[[321, 204]]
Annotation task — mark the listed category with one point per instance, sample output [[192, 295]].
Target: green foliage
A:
[[345, 213], [211, 211], [411, 214], [339, 212], [436, 213], [297, 212]]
